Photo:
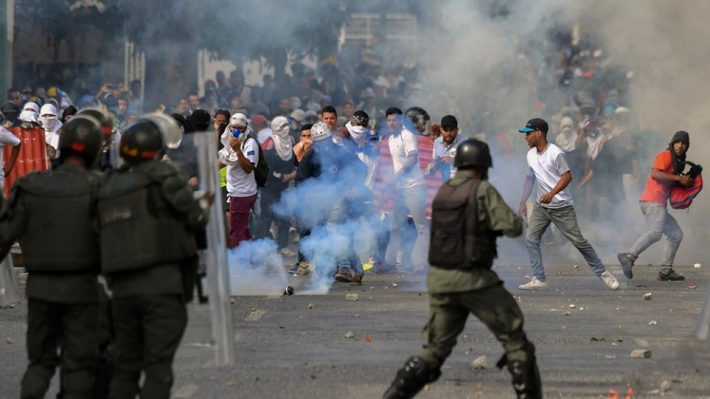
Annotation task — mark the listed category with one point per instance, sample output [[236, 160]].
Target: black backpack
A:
[[261, 170], [454, 221]]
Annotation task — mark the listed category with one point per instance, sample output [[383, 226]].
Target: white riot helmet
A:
[[319, 131]]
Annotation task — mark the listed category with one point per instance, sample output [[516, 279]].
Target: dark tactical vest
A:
[[138, 227], [59, 235], [457, 241]]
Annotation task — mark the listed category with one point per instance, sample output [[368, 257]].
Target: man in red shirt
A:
[[665, 173]]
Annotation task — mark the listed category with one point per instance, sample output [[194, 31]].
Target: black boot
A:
[[526, 376], [411, 378]]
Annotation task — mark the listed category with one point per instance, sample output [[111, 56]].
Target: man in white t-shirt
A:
[[410, 195], [7, 138], [550, 175], [241, 155]]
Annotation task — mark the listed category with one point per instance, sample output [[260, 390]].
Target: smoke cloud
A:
[[495, 65]]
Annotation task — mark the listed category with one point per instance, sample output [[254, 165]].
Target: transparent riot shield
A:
[[214, 257], [9, 292], [703, 329]]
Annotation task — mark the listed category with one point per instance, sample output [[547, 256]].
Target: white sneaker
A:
[[610, 280], [534, 284]]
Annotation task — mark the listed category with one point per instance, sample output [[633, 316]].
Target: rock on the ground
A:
[[351, 296], [349, 335], [647, 296], [641, 353], [665, 387], [480, 362]]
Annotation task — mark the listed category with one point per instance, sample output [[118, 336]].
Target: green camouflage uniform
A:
[[454, 293]]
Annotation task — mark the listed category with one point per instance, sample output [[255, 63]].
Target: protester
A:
[[549, 175], [665, 174], [332, 171], [51, 125], [445, 147], [240, 154], [410, 196], [278, 152]]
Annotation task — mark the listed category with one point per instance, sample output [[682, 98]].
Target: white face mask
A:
[[49, 123]]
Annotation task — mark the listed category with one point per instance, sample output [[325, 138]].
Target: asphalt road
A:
[[584, 334]]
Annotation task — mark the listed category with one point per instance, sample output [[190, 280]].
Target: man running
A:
[[550, 175]]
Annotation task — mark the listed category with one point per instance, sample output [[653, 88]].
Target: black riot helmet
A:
[[148, 137], [81, 137], [11, 111], [104, 118], [419, 119], [473, 153]]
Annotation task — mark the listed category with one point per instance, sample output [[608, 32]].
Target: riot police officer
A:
[[147, 217], [108, 158], [50, 213], [467, 216]]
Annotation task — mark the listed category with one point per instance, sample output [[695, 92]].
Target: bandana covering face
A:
[[51, 124], [358, 133], [282, 141]]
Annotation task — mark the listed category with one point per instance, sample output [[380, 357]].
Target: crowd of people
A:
[[329, 156]]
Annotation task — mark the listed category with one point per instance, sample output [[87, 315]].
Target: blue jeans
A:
[[566, 221], [660, 223], [410, 201]]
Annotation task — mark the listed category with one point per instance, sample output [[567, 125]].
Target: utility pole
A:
[[7, 27]]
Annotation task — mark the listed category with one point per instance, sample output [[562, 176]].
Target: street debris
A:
[[310, 306], [641, 353], [652, 323], [647, 296], [288, 290], [9, 340], [255, 315], [349, 335], [368, 338], [480, 362], [572, 306], [697, 265], [665, 387], [394, 285], [351, 296]]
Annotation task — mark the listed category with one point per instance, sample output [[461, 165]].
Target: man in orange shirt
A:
[[665, 173]]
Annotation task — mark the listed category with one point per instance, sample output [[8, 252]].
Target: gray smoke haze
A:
[[256, 268], [482, 68]]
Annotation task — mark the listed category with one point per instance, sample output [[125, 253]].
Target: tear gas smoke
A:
[[256, 268], [492, 69]]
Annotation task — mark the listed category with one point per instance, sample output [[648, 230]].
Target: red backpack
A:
[[682, 197]]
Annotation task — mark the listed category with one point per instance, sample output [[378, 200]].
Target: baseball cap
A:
[[239, 119], [361, 118], [449, 121], [298, 115], [534, 124]]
